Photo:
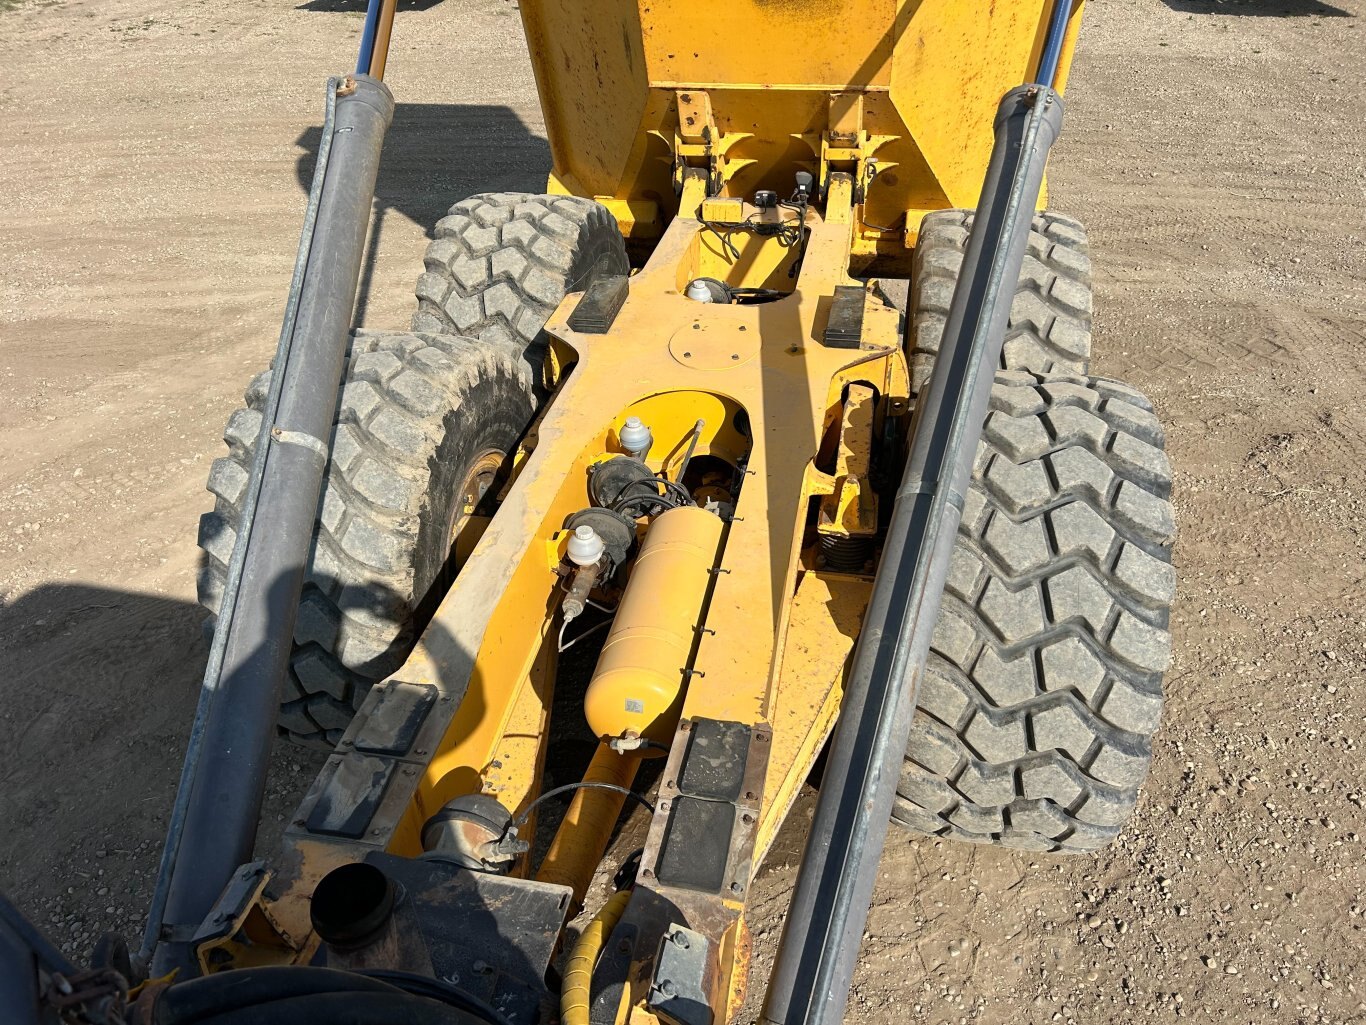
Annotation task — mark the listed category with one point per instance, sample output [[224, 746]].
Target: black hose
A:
[[439, 989], [188, 1003], [256, 996], [392, 1008]]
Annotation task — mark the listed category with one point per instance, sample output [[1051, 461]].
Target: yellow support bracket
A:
[[850, 508]]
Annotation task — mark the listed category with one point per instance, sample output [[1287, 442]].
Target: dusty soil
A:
[[153, 159]]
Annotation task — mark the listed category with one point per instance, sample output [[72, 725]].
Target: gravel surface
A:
[[155, 155]]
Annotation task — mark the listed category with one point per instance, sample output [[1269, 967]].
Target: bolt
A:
[[747, 818], [736, 887], [750, 795], [687, 355], [696, 326], [624, 947], [646, 873], [680, 940], [734, 355], [376, 832], [410, 772], [420, 751], [743, 328], [299, 823], [668, 988]]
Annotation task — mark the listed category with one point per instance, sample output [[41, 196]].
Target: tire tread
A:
[[1043, 688]]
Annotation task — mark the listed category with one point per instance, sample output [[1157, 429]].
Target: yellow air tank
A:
[[639, 681]]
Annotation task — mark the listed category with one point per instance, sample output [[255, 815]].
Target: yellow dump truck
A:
[[661, 471]]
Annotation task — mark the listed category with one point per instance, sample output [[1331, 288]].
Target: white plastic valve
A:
[[635, 437], [586, 548]]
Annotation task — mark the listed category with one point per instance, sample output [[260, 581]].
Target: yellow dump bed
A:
[[901, 91]]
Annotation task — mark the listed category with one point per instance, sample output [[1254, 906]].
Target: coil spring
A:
[[846, 554]]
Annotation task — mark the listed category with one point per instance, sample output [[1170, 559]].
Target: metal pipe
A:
[[819, 948], [1053, 43], [386, 27], [692, 447], [213, 828], [586, 829], [367, 37], [374, 40]]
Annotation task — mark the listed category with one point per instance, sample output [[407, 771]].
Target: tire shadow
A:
[[359, 6], [436, 154], [1260, 8]]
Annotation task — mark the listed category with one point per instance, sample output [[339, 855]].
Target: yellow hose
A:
[[578, 972], [586, 829]]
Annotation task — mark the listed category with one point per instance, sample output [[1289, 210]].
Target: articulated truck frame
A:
[[666, 412]]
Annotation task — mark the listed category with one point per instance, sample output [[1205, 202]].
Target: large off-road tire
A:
[[501, 262], [1036, 712], [1050, 318], [424, 425]]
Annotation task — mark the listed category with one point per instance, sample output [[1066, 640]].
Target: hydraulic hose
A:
[[254, 996], [188, 1003], [576, 994], [347, 1009]]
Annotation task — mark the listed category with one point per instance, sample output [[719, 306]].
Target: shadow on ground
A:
[[436, 154], [352, 6], [1260, 8]]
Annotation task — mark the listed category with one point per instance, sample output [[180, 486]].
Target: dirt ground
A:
[[152, 175]]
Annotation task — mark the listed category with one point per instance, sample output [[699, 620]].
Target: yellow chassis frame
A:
[[777, 631], [892, 117]]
